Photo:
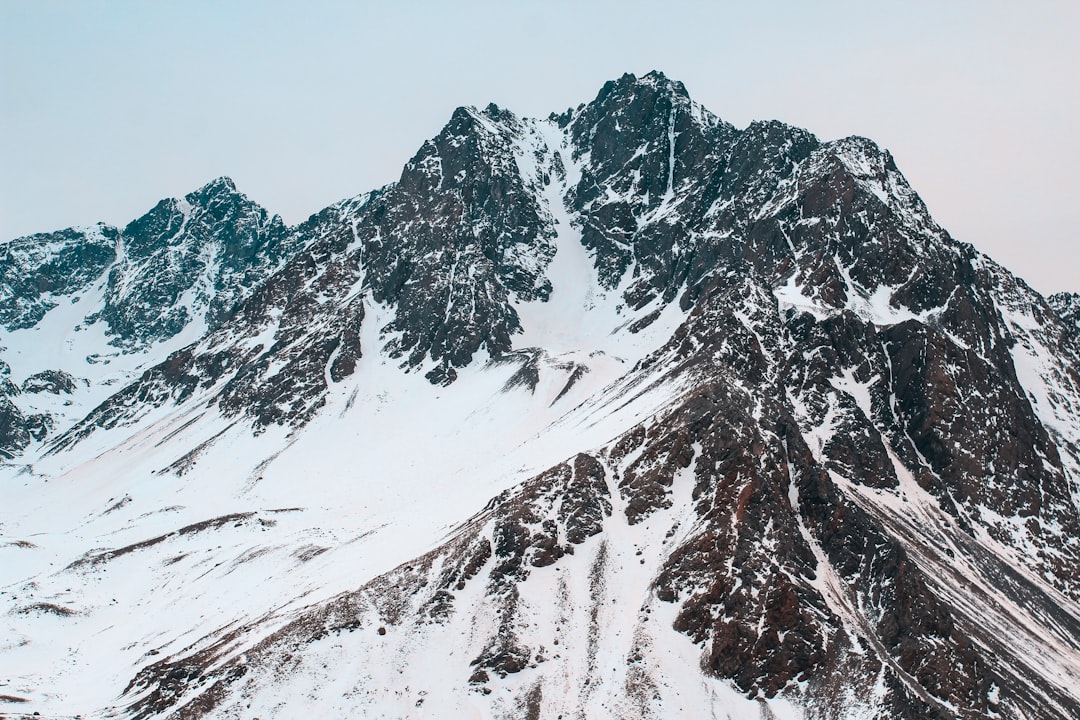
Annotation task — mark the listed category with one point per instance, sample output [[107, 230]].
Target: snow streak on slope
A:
[[1019, 619], [581, 316]]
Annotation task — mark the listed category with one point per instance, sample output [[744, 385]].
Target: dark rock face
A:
[[646, 143], [456, 238], [185, 260], [875, 425], [50, 381], [14, 434], [1067, 306], [37, 269], [188, 259]]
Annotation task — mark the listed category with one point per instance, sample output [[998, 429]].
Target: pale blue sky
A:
[[108, 106]]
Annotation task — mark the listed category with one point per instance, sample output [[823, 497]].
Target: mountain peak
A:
[[651, 86], [223, 183], [654, 79], [215, 188], [657, 78], [1067, 306], [467, 118]]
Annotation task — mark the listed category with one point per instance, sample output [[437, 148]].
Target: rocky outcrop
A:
[[1067, 307], [55, 382], [190, 259], [37, 270]]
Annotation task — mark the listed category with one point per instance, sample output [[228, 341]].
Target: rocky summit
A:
[[622, 413]]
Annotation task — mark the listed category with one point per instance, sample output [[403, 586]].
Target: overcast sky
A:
[[108, 106]]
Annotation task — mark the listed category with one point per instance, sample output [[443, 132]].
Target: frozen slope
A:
[[165, 544]]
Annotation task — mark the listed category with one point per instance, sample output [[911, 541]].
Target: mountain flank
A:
[[621, 413]]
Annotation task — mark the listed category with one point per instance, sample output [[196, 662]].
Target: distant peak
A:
[[490, 112], [468, 120], [652, 80], [217, 185], [659, 79], [631, 90], [1067, 306], [215, 188], [463, 112], [775, 132]]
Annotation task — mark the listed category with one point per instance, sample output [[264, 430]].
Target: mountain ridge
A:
[[738, 380]]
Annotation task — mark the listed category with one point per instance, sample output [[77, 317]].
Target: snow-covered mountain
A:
[[621, 413]]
